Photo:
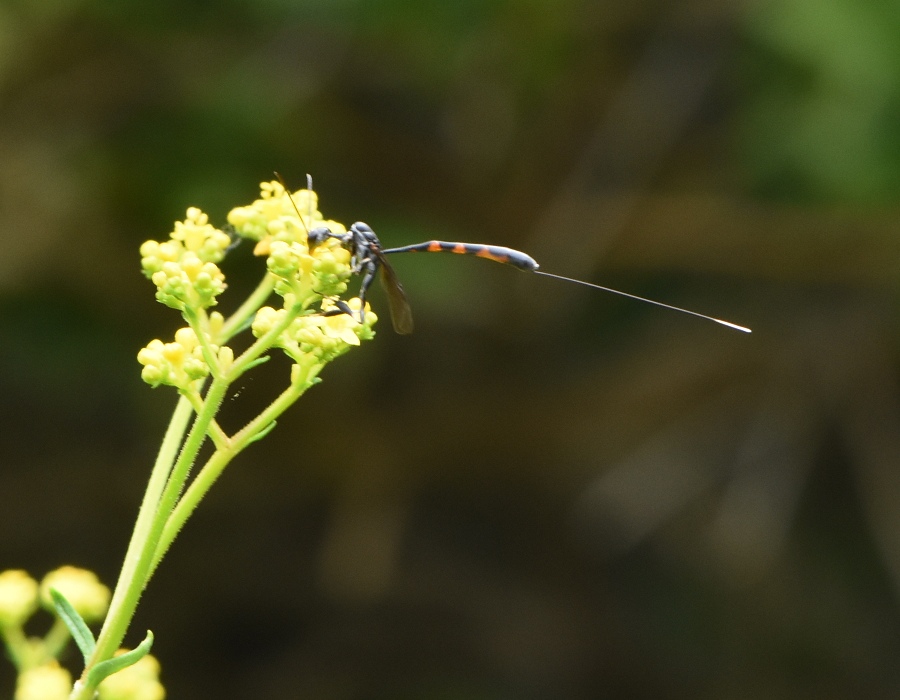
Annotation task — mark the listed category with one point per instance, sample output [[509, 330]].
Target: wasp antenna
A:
[[728, 324], [290, 197], [309, 200]]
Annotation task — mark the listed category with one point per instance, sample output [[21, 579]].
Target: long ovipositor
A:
[[369, 258], [520, 260]]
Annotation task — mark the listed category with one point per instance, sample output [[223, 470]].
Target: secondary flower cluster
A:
[[184, 268], [40, 675], [180, 363], [322, 336], [311, 327], [50, 681], [140, 681], [20, 594], [279, 223]]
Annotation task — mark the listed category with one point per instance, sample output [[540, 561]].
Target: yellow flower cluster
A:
[[81, 588], [140, 681], [321, 336], [18, 597], [275, 216], [280, 222], [49, 681], [198, 236], [308, 274], [181, 362], [309, 280], [41, 677], [184, 268], [20, 594]]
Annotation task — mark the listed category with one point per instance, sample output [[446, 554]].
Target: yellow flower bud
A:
[[238, 216], [195, 369], [47, 682], [263, 248], [174, 353], [149, 249], [275, 227], [226, 357], [159, 278], [306, 372], [18, 597], [186, 338], [192, 265], [151, 354], [153, 375], [196, 216], [216, 322], [169, 251], [271, 189], [266, 317], [310, 335], [140, 681], [81, 588], [341, 327]]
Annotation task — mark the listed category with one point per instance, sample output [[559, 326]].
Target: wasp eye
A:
[[317, 235]]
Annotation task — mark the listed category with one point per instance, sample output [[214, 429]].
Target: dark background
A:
[[546, 491]]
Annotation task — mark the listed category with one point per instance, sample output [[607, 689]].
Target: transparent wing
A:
[[401, 313]]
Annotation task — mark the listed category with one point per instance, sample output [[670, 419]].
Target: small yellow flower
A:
[[340, 326], [180, 363], [265, 319], [331, 259], [200, 237], [48, 682], [184, 268], [18, 597], [186, 338], [287, 258], [216, 323], [188, 283], [278, 215], [140, 681], [225, 357], [156, 368], [81, 588]]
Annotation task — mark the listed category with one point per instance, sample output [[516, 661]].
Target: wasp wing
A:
[[401, 313]]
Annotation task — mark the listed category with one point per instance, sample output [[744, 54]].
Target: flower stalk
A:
[[201, 366]]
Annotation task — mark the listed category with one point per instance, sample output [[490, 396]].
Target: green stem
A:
[[198, 321], [164, 509], [17, 646], [130, 584], [56, 639], [166, 484], [216, 434], [263, 343], [250, 306], [182, 467], [216, 464]]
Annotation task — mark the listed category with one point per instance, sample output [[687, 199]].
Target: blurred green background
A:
[[546, 491]]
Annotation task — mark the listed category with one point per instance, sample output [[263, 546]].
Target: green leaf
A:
[[83, 637], [257, 361], [262, 433], [244, 326], [106, 668]]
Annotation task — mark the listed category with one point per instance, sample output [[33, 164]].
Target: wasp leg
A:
[[370, 267], [341, 307]]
